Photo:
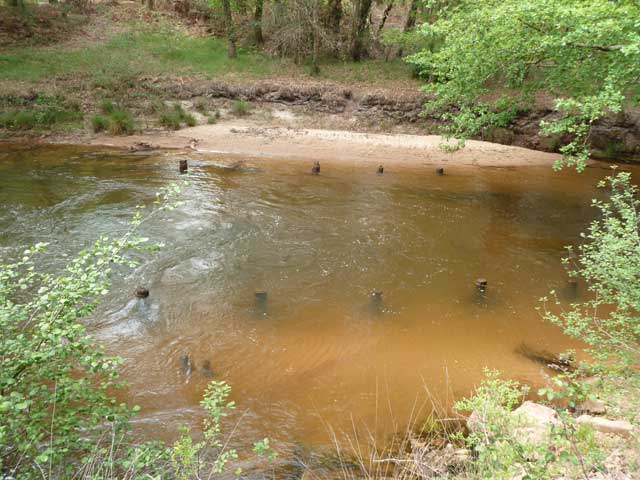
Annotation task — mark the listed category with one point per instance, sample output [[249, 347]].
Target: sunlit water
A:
[[319, 354]]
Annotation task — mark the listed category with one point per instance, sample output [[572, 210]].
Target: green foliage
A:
[[107, 106], [56, 383], [117, 120], [173, 117], [409, 42], [121, 122], [505, 447], [43, 112], [205, 459], [608, 321], [569, 387], [240, 108], [585, 53], [99, 123]]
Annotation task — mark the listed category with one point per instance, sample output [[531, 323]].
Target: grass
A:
[[161, 49], [240, 108], [44, 112], [115, 119], [174, 117]]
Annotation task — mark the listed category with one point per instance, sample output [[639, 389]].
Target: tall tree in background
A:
[[257, 22], [585, 53], [231, 31], [334, 15], [360, 28], [385, 17]]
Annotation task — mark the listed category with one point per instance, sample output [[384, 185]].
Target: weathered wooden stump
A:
[[185, 361], [183, 166], [481, 285], [380, 170], [142, 292], [315, 170], [440, 171]]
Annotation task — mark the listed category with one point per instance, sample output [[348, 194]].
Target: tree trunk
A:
[[257, 23], [410, 21], [231, 32], [334, 15], [150, 4], [315, 69], [360, 28], [385, 16]]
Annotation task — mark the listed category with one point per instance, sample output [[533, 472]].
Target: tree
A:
[[257, 22], [385, 16], [231, 31], [360, 27], [585, 53], [334, 15]]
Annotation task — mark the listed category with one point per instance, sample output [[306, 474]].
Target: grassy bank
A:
[[119, 50], [160, 44]]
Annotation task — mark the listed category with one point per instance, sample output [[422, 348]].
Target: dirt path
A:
[[260, 142]]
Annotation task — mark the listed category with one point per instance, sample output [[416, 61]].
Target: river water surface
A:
[[319, 354]]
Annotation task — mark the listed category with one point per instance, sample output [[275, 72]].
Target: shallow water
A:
[[319, 354]]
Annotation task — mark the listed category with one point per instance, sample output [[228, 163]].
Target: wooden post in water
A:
[[315, 170], [440, 171], [380, 170], [142, 292], [481, 285], [261, 297], [185, 361], [183, 166]]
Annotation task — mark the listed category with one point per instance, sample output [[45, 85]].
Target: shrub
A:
[[107, 106], [211, 119], [99, 123], [24, 120], [170, 119], [173, 118], [240, 108], [48, 359], [607, 262], [45, 111], [190, 120], [121, 122]]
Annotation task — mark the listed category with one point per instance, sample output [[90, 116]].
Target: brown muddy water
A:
[[320, 355]]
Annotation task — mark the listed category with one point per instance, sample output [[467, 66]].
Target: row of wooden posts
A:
[[315, 169], [261, 295]]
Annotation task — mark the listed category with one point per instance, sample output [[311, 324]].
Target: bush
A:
[[170, 119], [609, 321], [190, 120], [240, 108], [173, 118], [44, 112], [99, 123], [48, 359], [121, 122], [24, 120], [107, 106]]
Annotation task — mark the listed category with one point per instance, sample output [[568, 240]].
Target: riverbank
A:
[[144, 63], [262, 142]]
